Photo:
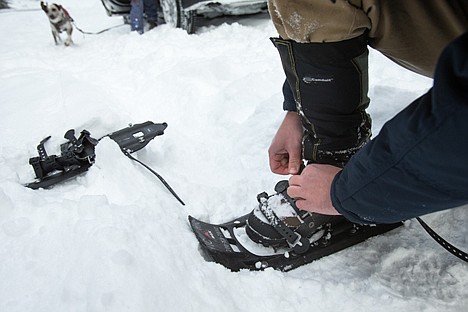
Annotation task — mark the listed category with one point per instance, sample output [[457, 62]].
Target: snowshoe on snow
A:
[[78, 154], [277, 234]]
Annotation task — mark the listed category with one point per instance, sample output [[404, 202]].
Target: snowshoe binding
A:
[[277, 234], [77, 155]]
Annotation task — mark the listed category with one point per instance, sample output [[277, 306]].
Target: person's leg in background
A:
[[136, 16], [151, 12]]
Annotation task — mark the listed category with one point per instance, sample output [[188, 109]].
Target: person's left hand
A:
[[311, 188]]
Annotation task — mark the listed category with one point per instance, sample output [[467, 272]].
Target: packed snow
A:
[[114, 239]]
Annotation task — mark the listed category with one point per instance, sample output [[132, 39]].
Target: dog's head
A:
[[52, 10]]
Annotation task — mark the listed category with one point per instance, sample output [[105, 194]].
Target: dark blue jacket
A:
[[418, 163]]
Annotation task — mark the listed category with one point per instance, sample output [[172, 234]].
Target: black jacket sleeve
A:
[[418, 164]]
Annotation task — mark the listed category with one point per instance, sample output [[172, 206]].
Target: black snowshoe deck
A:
[[219, 243]]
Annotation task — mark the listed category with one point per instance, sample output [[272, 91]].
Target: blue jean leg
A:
[[151, 10], [136, 16]]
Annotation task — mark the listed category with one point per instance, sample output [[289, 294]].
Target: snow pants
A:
[[323, 49], [412, 33]]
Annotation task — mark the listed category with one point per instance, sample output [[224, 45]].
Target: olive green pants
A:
[[412, 33]]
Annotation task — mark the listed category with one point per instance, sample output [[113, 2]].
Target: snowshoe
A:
[[277, 234], [78, 154]]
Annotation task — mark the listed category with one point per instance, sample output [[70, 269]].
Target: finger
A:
[[295, 160], [294, 165], [284, 162], [301, 204], [295, 180], [295, 192], [276, 167]]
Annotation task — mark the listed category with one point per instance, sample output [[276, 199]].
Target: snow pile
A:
[[115, 239]]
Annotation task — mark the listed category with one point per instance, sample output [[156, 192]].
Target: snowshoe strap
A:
[[134, 138], [309, 221], [169, 188], [299, 243], [452, 249], [282, 188], [70, 136], [41, 149]]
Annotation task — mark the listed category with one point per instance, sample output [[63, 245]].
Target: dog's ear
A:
[[44, 7]]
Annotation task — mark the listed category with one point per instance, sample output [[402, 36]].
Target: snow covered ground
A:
[[114, 239]]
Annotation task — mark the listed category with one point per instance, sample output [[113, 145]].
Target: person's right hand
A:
[[285, 150]]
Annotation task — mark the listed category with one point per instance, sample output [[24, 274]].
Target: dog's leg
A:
[[57, 38], [69, 40]]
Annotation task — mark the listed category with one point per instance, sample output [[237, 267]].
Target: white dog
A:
[[59, 20]]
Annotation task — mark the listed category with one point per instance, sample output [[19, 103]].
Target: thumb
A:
[[294, 164]]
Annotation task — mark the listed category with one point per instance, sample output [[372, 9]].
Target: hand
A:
[[285, 152], [311, 189]]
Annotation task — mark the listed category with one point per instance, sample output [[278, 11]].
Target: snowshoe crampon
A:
[[279, 235]]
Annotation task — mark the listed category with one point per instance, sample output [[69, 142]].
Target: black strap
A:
[[134, 138], [298, 243], [452, 249], [156, 174]]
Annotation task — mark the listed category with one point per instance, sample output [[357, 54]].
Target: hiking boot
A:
[[278, 223]]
